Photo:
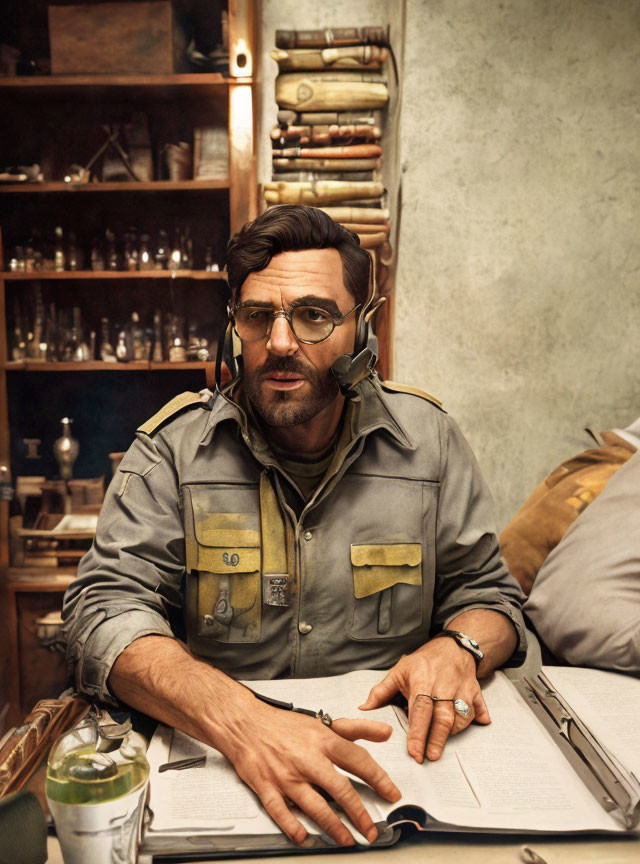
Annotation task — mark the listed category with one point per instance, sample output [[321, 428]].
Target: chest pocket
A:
[[225, 553], [387, 590]]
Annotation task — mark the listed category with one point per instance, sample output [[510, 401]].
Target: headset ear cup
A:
[[363, 327]]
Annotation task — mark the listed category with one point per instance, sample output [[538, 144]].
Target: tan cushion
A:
[[555, 504], [585, 603]]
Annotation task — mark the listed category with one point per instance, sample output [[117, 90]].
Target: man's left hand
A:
[[440, 668]]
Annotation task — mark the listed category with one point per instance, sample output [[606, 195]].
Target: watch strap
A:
[[464, 641]]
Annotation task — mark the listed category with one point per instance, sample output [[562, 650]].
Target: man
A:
[[311, 523]]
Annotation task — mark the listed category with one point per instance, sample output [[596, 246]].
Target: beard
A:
[[290, 408]]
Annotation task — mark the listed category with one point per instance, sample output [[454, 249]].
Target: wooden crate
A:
[[115, 39]]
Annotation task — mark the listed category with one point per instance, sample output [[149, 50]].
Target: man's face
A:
[[290, 382]]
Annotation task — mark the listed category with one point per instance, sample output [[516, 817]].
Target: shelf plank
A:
[[100, 366], [197, 82], [121, 186], [34, 275]]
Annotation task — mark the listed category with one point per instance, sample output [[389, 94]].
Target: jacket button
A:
[[303, 627], [308, 535]]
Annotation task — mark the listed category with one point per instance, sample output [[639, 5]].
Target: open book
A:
[[547, 763]]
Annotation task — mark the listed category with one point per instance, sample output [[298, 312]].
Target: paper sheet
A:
[[608, 703], [505, 776], [77, 523]]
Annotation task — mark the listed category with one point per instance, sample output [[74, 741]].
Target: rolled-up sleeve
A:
[[470, 572], [132, 571]]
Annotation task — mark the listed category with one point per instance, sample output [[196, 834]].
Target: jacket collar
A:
[[372, 412]]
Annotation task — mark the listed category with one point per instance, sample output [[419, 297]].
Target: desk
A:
[[439, 849]]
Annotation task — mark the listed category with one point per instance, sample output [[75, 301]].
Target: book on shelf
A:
[[561, 756], [364, 117], [293, 163], [331, 91], [310, 176], [320, 192], [326, 134], [351, 57], [332, 36]]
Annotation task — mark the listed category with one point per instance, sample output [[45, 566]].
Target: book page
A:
[[208, 798], [506, 776], [608, 703]]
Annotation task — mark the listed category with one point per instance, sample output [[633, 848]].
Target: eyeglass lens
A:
[[307, 322]]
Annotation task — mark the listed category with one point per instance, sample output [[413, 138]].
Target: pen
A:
[[289, 706]]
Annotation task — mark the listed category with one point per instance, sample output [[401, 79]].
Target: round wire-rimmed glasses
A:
[[309, 324]]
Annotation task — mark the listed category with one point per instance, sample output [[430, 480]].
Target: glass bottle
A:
[[111, 251], [131, 254], [161, 258], [50, 334], [144, 260], [158, 354], [136, 338], [107, 354], [122, 349], [186, 247], [97, 255], [18, 347], [59, 258], [175, 258], [65, 449], [74, 256]]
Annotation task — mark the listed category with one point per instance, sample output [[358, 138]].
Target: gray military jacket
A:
[[396, 541]]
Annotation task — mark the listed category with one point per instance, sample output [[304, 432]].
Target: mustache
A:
[[285, 364]]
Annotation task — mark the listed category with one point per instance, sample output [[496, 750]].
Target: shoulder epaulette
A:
[[392, 387], [172, 408]]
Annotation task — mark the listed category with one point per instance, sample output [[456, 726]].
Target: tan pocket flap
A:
[[224, 529], [377, 567], [387, 554]]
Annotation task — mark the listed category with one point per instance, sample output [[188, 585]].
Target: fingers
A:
[[442, 723], [356, 760], [276, 807], [315, 806], [480, 709], [381, 693], [421, 709], [371, 730]]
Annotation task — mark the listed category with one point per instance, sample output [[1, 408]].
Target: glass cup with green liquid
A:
[[96, 790]]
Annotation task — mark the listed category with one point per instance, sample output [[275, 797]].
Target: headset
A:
[[348, 369]]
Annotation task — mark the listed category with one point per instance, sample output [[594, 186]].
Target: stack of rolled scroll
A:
[[330, 92]]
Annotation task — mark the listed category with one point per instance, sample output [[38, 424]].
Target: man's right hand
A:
[[282, 756], [279, 754]]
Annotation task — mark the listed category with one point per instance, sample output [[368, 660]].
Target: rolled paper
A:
[[372, 241], [346, 151], [369, 215], [327, 164], [352, 57], [325, 118], [362, 228], [322, 192], [330, 36], [324, 134], [313, 177], [303, 92]]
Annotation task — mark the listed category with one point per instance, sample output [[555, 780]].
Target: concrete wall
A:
[[518, 298]]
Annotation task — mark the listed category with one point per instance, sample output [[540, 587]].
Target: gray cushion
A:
[[585, 602]]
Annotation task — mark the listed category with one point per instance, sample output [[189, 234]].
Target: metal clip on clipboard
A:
[[617, 790]]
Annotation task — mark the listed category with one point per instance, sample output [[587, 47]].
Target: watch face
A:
[[470, 644]]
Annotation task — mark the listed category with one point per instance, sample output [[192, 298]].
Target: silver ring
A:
[[461, 708]]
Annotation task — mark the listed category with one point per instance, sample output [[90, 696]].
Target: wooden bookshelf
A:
[[100, 275], [53, 120]]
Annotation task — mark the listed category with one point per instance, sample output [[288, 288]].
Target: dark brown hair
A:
[[292, 228]]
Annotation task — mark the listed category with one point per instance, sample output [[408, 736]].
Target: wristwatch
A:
[[464, 641]]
